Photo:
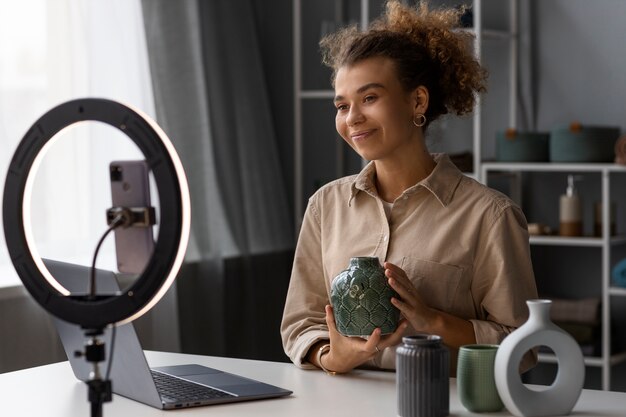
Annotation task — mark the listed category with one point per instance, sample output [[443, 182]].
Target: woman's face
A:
[[374, 113]]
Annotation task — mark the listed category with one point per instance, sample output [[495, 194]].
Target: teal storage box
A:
[[579, 143], [514, 146]]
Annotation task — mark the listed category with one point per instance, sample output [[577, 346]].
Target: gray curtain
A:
[[212, 101]]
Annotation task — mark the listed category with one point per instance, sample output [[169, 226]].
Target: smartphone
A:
[[130, 187]]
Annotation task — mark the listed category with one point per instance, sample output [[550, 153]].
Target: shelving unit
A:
[[605, 243]]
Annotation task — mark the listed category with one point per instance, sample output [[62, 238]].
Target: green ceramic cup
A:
[[476, 385]]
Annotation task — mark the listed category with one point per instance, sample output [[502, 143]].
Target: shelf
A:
[[589, 360], [317, 94], [575, 241], [550, 358], [490, 33], [604, 244], [619, 291], [553, 167], [498, 34]]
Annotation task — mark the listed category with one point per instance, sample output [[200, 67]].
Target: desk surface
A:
[[52, 391]]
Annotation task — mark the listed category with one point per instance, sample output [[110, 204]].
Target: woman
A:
[[455, 251]]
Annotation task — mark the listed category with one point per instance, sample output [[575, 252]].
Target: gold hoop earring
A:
[[421, 118]]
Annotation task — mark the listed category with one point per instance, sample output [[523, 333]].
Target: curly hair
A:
[[426, 49]]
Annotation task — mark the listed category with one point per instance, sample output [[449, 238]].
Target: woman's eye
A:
[[369, 98], [342, 107]]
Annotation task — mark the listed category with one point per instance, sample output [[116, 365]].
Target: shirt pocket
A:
[[437, 284]]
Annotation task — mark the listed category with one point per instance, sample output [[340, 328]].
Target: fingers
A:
[[330, 319], [398, 274], [392, 266], [377, 342], [405, 309], [407, 294], [396, 337], [395, 270], [399, 281], [372, 344]]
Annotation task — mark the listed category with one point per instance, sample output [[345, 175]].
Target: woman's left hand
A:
[[410, 304]]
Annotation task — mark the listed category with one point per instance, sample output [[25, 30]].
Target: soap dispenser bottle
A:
[[570, 211]]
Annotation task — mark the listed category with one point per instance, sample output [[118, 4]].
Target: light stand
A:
[[100, 389], [95, 312]]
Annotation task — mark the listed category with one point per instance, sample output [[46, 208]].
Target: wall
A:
[[580, 62]]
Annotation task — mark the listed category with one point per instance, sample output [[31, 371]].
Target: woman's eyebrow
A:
[[362, 89]]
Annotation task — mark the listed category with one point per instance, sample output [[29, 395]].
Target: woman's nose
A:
[[354, 116]]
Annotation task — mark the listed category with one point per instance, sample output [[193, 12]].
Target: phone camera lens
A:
[[116, 173]]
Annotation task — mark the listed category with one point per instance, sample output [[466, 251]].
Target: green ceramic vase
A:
[[361, 299], [475, 380]]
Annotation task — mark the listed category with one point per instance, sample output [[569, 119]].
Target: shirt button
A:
[[385, 238]]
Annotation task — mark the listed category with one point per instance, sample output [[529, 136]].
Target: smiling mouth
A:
[[359, 136]]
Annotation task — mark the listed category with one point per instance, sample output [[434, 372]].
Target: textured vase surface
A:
[[475, 382], [422, 377], [361, 299], [559, 398]]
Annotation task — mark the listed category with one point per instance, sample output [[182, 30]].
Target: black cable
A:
[[117, 221]]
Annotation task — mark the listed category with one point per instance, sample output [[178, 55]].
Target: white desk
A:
[[52, 391]]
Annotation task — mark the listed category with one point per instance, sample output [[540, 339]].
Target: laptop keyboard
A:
[[179, 390]]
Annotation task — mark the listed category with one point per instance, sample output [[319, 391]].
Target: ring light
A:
[[175, 215]]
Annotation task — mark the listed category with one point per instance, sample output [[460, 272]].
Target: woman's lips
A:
[[362, 135]]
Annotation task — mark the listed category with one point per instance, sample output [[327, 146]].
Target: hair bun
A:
[[428, 50]]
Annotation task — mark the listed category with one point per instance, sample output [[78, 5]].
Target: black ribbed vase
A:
[[422, 377]]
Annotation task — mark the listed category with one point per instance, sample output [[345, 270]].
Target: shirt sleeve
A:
[[304, 322], [503, 278]]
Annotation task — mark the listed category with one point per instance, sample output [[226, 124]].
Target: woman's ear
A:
[[420, 99]]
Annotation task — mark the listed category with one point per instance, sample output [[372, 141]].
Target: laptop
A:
[[165, 387]]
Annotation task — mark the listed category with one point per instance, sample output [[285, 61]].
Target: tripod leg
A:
[[99, 393]]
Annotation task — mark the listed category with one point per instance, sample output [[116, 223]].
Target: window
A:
[[51, 53]]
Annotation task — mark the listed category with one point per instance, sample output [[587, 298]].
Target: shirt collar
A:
[[442, 181]]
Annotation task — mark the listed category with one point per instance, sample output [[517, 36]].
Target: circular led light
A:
[[174, 204]]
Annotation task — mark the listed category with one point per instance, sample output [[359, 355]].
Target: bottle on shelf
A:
[[570, 210], [597, 215]]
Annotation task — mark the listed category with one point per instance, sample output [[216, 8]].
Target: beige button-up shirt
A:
[[463, 245]]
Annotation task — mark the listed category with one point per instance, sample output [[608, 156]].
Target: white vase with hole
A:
[[556, 399]]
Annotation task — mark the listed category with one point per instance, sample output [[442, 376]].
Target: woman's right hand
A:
[[346, 353]]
